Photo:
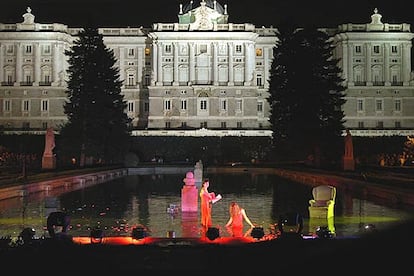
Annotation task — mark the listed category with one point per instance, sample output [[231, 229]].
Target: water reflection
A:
[[118, 206]]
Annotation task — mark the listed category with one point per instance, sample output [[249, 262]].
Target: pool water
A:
[[154, 202]]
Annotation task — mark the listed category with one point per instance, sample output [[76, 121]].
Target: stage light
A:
[[323, 232], [139, 233], [257, 232], [290, 225], [212, 233], [368, 228], [97, 235], [27, 235]]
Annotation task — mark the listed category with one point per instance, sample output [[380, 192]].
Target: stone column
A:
[[215, 67], [18, 63], [1, 63], [192, 63], [175, 75], [55, 66], [37, 63], [231, 69], [159, 65]]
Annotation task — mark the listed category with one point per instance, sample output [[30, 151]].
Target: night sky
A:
[[135, 13]]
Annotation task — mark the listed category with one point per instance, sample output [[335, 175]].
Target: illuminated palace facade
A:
[[203, 75]]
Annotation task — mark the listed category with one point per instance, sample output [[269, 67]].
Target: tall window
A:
[[130, 106], [183, 104], [239, 105], [167, 104], [259, 80], [360, 105], [378, 105], [7, 105], [397, 105], [44, 105], [25, 105], [28, 49], [203, 105], [223, 104], [260, 107]]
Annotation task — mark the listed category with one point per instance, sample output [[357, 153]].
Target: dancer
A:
[[206, 201], [235, 223]]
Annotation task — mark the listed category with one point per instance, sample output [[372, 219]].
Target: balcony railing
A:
[[26, 83]]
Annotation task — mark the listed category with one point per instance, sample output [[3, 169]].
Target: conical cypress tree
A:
[[306, 94], [97, 126]]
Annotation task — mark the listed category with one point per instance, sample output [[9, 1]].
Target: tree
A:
[[97, 125], [306, 94]]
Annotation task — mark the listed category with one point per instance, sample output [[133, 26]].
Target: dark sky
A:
[[135, 13]]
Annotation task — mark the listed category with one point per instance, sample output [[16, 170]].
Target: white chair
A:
[[323, 202]]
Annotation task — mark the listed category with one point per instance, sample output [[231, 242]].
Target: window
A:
[[130, 106], [203, 49], [46, 49], [131, 52], [360, 124], [397, 105], [394, 49], [378, 104], [7, 105], [380, 124], [223, 104], [203, 125], [239, 105], [239, 125], [147, 51], [168, 48], [146, 106], [358, 49], [184, 124], [203, 105], [167, 124], [147, 80], [259, 80], [260, 107], [223, 125], [238, 48], [28, 49], [376, 49], [131, 79], [25, 105], [259, 52], [44, 105], [360, 105], [397, 124], [167, 105], [10, 49], [183, 104]]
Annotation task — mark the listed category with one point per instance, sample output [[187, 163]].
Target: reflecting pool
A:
[[154, 201]]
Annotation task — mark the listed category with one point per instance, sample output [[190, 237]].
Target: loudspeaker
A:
[[257, 232], [139, 233], [212, 233]]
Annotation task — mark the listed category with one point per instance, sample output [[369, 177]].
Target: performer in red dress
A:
[[206, 201], [235, 223]]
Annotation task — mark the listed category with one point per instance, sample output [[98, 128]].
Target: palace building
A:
[[203, 75]]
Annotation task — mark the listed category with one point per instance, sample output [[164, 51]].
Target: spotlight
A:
[[290, 225], [257, 232], [27, 235], [96, 235], [368, 228], [139, 232], [212, 233], [323, 232]]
